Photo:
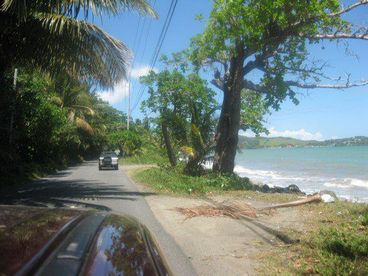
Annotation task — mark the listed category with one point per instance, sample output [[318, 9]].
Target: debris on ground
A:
[[234, 210], [328, 196]]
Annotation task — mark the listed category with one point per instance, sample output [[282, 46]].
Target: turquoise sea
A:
[[343, 170]]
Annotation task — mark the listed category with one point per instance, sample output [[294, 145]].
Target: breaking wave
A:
[[349, 188]]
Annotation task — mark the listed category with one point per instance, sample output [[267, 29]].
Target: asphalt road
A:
[[109, 190]]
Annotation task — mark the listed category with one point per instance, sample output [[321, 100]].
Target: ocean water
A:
[[343, 170]]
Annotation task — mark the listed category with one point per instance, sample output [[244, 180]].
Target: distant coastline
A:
[[284, 142]]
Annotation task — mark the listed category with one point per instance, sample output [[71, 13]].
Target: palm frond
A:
[[83, 124], [71, 116], [60, 44], [188, 151], [56, 100], [73, 8], [88, 110]]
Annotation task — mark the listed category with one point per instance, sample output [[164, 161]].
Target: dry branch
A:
[[348, 84], [309, 199], [341, 36], [349, 8]]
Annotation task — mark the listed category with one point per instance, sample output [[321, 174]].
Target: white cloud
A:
[[247, 133], [301, 134], [141, 70], [120, 91], [117, 94]]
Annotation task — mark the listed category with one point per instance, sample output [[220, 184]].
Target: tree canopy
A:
[[270, 38], [186, 111]]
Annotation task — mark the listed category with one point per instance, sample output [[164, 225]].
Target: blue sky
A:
[[321, 114]]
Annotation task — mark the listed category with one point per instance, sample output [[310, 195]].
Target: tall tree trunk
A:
[[229, 122], [169, 148]]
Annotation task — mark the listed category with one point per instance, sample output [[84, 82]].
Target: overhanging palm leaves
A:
[[76, 100], [47, 34], [73, 7]]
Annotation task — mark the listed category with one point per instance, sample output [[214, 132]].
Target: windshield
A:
[[237, 129], [108, 154]]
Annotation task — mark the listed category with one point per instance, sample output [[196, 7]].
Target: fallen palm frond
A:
[[232, 210], [238, 209]]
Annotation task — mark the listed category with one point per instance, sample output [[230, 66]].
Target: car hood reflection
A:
[[120, 249]]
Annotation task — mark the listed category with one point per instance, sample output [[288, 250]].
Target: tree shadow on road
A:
[[53, 192]]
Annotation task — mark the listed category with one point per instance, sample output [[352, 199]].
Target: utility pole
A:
[[13, 106], [128, 120]]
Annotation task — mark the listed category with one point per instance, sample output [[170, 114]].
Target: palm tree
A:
[[51, 36], [75, 98]]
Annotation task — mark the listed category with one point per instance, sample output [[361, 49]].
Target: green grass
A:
[[334, 243], [174, 181]]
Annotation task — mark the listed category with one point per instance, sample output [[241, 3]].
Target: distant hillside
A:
[[283, 142]]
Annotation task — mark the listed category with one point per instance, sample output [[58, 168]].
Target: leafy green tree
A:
[[252, 111], [50, 35], [127, 141], [185, 107], [42, 130], [267, 39]]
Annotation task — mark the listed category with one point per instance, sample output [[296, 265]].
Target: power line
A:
[[130, 72], [159, 44], [136, 44], [164, 35], [146, 39], [156, 51]]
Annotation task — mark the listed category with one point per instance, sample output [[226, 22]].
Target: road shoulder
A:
[[220, 245]]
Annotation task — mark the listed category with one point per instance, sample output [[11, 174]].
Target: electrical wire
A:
[[136, 44], [159, 44]]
